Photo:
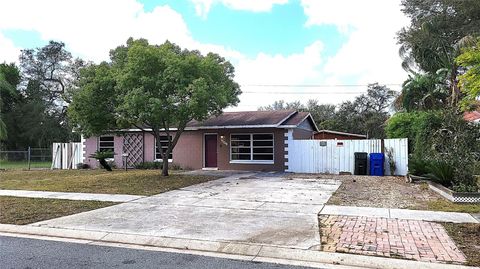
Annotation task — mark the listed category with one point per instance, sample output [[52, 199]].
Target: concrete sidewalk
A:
[[233, 250], [393, 213], [119, 198]]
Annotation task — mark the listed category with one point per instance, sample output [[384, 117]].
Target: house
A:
[[472, 116], [249, 140], [328, 134]]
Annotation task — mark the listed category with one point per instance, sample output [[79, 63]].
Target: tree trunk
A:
[[165, 165], [105, 165]]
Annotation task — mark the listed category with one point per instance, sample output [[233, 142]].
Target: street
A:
[[34, 253]]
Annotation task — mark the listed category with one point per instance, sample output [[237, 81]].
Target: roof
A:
[[246, 118], [472, 116], [340, 133], [249, 119]]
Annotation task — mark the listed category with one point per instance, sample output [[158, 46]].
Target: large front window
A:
[[163, 146], [251, 148]]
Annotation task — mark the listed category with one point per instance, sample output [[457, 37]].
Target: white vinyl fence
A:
[[335, 156], [66, 155]]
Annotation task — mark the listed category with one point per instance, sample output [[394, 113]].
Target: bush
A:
[[157, 165], [83, 166], [418, 167], [440, 172], [149, 165], [102, 157]]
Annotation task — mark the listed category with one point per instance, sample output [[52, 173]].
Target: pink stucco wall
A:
[[91, 145], [188, 153]]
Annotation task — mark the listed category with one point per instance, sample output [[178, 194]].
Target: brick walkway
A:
[[410, 239]]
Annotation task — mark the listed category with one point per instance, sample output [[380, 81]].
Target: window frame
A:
[[100, 147], [251, 140], [155, 159]]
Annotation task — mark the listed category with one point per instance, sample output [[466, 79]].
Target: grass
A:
[[23, 165], [137, 182], [444, 205], [467, 239], [20, 211]]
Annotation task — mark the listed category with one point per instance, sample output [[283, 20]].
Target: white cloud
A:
[[371, 52], [8, 51], [202, 7]]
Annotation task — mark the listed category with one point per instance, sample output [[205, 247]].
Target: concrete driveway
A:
[[252, 208]]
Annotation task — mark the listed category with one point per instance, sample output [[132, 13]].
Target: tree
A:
[[438, 29], [54, 69], [470, 79], [9, 79], [362, 116], [423, 92], [156, 88], [282, 105]]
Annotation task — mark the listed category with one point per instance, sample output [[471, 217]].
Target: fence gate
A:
[[335, 156], [133, 148], [66, 155]]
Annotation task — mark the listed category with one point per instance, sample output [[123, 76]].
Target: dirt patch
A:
[[387, 192], [391, 192], [467, 238]]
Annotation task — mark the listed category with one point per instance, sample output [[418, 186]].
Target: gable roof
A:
[[248, 119], [245, 118]]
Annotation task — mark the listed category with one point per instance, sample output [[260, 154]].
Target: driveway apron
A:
[[259, 209]]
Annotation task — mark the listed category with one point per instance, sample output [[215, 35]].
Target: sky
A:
[[281, 49]]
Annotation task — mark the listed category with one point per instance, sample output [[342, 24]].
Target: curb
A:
[[260, 253]]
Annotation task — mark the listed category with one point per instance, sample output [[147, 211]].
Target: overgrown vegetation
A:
[[439, 48]]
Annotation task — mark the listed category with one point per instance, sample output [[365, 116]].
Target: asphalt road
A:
[[33, 253]]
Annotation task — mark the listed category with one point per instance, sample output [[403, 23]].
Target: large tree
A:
[[9, 79], [156, 88], [364, 115], [438, 29], [470, 79]]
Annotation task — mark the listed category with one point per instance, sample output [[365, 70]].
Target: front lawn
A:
[[137, 182], [20, 211]]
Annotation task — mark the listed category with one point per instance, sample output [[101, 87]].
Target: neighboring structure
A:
[[472, 116], [327, 134], [251, 140]]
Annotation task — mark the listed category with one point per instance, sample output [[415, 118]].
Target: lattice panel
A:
[[133, 146], [466, 199]]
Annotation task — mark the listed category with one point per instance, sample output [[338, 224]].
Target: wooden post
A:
[[29, 155]]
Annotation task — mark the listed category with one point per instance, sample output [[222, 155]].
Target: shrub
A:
[[440, 172], [101, 156], [149, 165], [418, 167], [83, 166]]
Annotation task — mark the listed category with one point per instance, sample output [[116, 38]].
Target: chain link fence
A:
[[30, 158]]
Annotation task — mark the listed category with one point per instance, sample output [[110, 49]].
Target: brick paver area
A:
[[410, 239]]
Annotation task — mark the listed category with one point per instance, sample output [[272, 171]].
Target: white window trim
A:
[[251, 161], [113, 150], [155, 159]]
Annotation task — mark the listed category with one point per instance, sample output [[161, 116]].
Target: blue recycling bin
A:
[[376, 164]]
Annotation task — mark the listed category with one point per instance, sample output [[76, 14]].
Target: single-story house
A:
[[328, 134], [250, 140]]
